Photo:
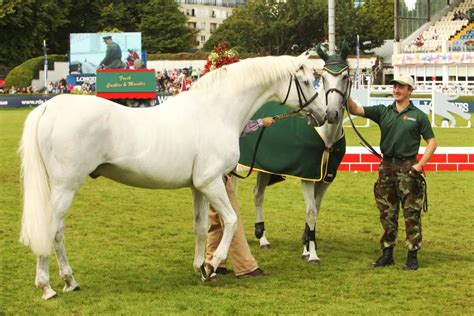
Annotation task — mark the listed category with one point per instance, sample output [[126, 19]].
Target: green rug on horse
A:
[[291, 147]]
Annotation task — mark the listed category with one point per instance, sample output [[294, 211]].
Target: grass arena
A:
[[132, 249]]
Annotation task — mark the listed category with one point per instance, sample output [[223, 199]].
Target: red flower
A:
[[220, 57]]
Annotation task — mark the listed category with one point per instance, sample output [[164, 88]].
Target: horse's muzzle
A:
[[333, 117], [313, 120]]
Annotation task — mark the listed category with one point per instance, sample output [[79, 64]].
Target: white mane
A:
[[250, 72]]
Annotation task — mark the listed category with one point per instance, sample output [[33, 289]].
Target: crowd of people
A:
[[176, 80], [171, 82], [56, 87], [468, 15]]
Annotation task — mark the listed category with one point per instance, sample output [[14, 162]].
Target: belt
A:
[[398, 161]]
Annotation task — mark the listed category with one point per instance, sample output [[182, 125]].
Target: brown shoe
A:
[[222, 270], [255, 273]]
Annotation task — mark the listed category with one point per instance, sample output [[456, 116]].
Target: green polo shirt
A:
[[400, 132]]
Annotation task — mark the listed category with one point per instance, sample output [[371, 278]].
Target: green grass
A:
[[132, 251]]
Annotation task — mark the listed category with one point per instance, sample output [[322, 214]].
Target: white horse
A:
[[335, 82], [191, 140]]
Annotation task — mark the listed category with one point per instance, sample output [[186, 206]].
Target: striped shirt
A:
[[252, 126]]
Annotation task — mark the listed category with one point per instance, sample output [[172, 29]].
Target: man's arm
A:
[[254, 125], [354, 109], [429, 151]]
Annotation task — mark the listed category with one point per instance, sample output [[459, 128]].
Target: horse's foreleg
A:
[[60, 203], [313, 194], [259, 194], [201, 208], [217, 196], [42, 277]]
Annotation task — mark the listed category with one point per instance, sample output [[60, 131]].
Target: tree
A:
[[25, 24], [372, 22], [164, 27], [121, 14], [381, 16], [272, 27]]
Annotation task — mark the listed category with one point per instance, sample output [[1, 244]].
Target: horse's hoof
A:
[[314, 261], [71, 288], [48, 294], [265, 246], [208, 274], [305, 257]]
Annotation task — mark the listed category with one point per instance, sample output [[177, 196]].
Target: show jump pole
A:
[[45, 64], [332, 26]]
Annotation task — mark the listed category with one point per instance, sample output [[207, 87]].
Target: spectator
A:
[[131, 58], [420, 41]]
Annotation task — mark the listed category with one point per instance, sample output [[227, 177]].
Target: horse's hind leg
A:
[[60, 202], [313, 194], [201, 209], [42, 277], [259, 193]]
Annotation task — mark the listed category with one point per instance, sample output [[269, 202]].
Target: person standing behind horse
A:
[[113, 55], [401, 126], [243, 262]]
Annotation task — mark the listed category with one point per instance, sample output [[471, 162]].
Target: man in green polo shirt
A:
[[402, 125]]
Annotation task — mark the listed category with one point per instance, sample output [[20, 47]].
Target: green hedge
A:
[[22, 75]]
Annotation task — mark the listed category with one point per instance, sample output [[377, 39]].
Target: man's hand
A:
[[417, 167], [267, 121]]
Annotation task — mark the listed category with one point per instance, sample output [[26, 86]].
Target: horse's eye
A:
[[301, 67], [345, 77], [306, 82]]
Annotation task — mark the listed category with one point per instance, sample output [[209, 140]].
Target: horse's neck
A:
[[236, 108], [331, 133]]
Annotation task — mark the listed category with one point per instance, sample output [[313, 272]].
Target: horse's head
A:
[[299, 90], [335, 82]]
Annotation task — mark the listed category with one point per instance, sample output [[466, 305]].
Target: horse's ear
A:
[[344, 50], [304, 55], [321, 52]]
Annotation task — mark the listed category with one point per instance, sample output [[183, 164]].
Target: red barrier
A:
[[445, 158]]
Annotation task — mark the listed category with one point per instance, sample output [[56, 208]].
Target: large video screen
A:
[[92, 51]]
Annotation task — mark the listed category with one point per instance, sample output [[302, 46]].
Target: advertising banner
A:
[[114, 83]]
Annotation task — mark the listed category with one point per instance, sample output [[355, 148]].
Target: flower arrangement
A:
[[221, 56]]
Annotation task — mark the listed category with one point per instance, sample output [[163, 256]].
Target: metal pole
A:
[[332, 26], [45, 70], [357, 64]]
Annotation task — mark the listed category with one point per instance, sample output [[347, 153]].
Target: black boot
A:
[[412, 261], [385, 260]]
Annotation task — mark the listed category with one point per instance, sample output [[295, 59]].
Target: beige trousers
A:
[[242, 259]]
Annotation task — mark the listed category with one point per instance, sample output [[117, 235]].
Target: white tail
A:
[[36, 230]]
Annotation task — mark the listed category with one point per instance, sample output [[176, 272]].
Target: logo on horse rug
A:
[[291, 148]]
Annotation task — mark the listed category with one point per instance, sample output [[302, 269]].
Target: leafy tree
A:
[[164, 28], [372, 22], [380, 13], [25, 24], [272, 27], [121, 14]]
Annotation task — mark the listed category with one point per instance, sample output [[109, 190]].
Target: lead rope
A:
[[253, 157], [425, 193], [362, 140]]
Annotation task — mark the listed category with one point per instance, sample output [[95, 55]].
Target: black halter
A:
[[345, 95], [301, 95]]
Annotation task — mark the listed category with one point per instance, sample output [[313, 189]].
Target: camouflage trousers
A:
[[394, 189]]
